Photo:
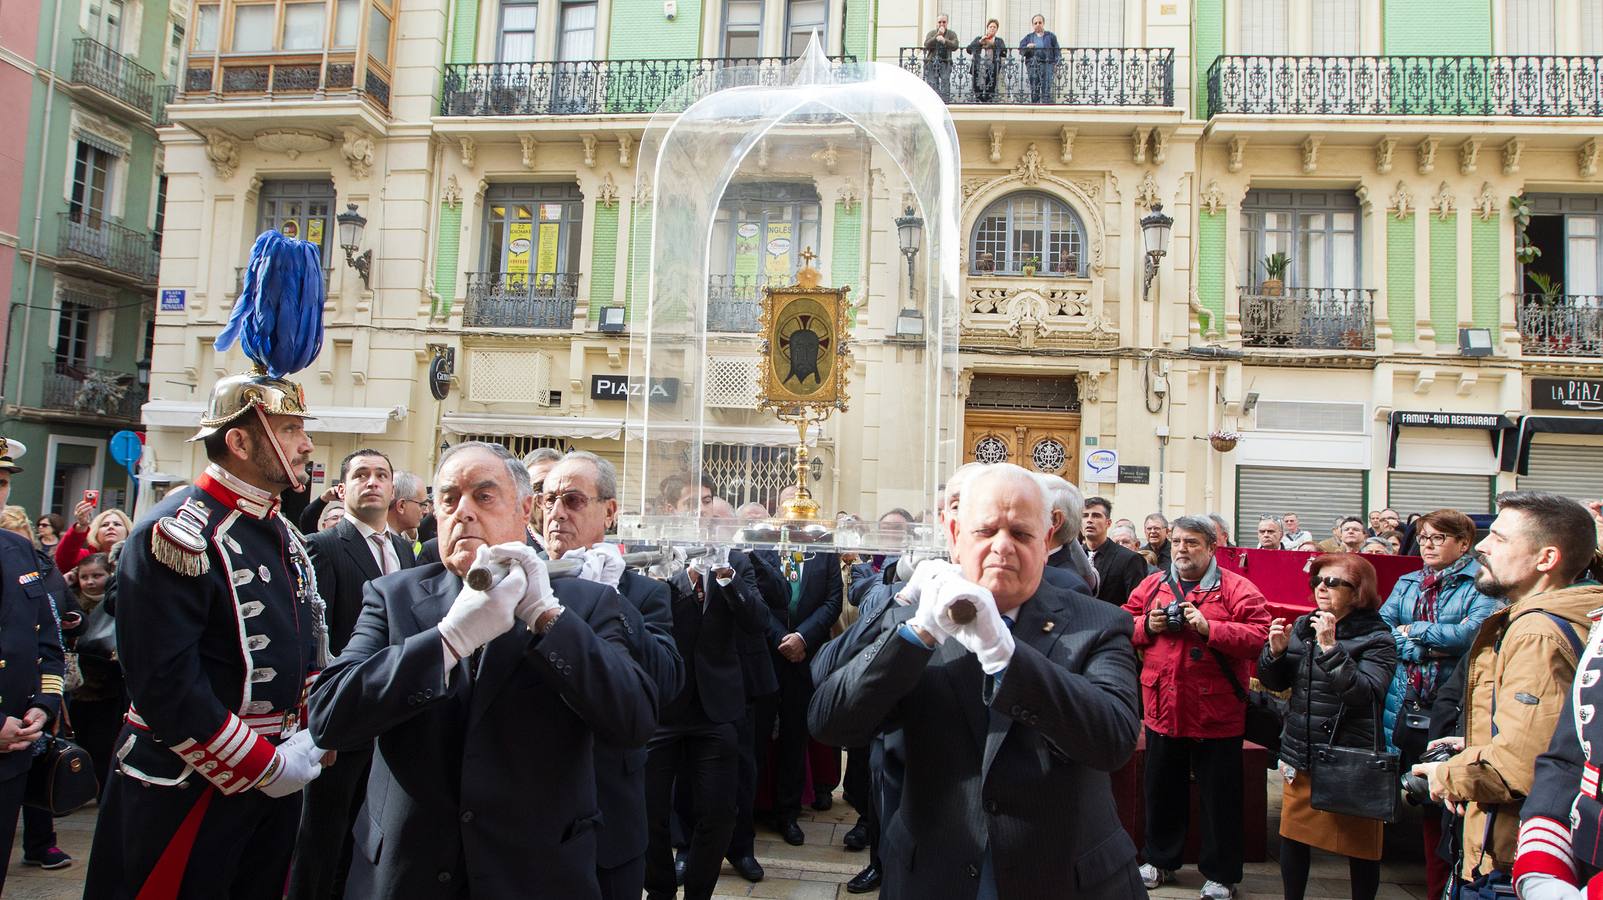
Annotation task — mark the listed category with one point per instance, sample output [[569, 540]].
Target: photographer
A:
[[1337, 661], [1519, 670], [1198, 626]]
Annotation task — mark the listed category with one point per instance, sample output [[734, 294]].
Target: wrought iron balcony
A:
[[1309, 319], [92, 392], [732, 303], [520, 300], [1571, 325], [1407, 85], [164, 99], [585, 87], [1077, 76], [249, 76], [99, 67], [95, 242]]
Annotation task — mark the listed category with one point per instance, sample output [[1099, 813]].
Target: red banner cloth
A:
[[1282, 575]]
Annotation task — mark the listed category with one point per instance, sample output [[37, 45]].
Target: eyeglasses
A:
[[410, 500], [1332, 582], [575, 501], [1433, 540]]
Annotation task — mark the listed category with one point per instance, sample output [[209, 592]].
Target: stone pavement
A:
[[819, 869]]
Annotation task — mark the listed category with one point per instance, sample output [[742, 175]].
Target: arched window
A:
[[1028, 229]]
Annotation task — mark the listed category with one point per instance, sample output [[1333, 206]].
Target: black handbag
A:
[[1351, 781], [1266, 713], [62, 777]]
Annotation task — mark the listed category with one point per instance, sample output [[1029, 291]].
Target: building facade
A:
[[489, 148], [84, 211]]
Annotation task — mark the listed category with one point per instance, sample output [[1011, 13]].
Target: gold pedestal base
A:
[[800, 509]]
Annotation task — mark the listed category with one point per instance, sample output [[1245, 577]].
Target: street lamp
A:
[[910, 233], [351, 224], [1155, 228]]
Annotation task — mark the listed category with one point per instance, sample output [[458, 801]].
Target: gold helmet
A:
[[234, 396]]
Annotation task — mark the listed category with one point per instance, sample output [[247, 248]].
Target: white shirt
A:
[[387, 559]]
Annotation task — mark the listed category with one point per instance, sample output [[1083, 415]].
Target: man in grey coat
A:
[[1015, 699]]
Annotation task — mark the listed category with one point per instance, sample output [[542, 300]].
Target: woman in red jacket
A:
[[86, 537]]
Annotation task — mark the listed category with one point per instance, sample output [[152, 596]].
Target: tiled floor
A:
[[817, 870]]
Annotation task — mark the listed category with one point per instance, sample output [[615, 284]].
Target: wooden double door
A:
[[1039, 441]]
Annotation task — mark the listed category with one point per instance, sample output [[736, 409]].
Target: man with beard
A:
[[219, 630], [1519, 671]]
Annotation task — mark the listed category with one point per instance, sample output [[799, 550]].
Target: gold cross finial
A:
[[807, 257], [808, 275]]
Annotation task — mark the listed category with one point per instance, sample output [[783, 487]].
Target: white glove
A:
[[987, 637], [924, 577], [538, 598], [714, 559], [299, 761], [603, 563], [1541, 886], [479, 617]]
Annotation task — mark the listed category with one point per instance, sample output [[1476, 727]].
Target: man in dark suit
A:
[[811, 588], [1010, 719], [345, 558], [1119, 569], [485, 706], [698, 741], [1156, 528], [579, 504]]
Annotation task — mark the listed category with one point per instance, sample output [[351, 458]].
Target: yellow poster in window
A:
[[550, 237], [314, 231], [519, 238], [777, 253]]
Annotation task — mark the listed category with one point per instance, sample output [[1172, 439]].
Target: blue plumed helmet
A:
[[278, 322]]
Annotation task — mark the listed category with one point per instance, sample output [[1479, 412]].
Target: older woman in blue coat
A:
[[1434, 614]]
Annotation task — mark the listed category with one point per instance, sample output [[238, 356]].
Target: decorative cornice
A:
[[1402, 200], [1213, 198]]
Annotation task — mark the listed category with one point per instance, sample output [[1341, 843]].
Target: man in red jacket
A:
[[1198, 626]]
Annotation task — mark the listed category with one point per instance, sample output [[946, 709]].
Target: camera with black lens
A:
[[1416, 788], [1175, 615]]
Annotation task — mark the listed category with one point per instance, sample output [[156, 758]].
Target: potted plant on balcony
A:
[[1274, 269], [1552, 292], [1031, 264], [1525, 252]]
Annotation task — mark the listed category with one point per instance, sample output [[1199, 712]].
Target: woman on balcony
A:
[[106, 530], [988, 50]]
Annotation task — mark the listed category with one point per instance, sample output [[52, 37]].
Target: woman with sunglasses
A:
[[48, 530], [1335, 698], [1434, 615]]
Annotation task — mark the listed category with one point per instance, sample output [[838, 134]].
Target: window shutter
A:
[[1528, 27], [1264, 28], [1335, 27], [1098, 23]]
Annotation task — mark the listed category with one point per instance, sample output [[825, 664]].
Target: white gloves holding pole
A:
[[938, 585], [603, 563], [479, 617]]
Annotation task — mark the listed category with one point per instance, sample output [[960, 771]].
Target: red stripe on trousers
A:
[[168, 875]]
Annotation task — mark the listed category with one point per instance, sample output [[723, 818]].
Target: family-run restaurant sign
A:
[[1493, 423]]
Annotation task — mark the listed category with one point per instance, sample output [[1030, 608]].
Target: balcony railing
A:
[[164, 98], [247, 76], [1571, 325], [587, 87], [1077, 76], [109, 72], [1309, 319], [520, 300], [102, 244], [91, 391], [732, 303], [1407, 85]]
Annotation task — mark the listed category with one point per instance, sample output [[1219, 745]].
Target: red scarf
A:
[[1422, 676]]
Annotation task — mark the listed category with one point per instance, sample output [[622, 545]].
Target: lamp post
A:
[[1155, 228], [910, 233], [351, 225]]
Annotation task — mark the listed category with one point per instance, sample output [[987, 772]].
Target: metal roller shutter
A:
[[1422, 492], [1572, 470], [1319, 497]]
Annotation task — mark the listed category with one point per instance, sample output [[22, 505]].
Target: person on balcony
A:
[[939, 45], [1040, 51], [988, 50]]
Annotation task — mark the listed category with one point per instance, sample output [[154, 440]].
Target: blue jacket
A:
[[1460, 610]]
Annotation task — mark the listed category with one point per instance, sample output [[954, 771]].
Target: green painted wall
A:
[[639, 260], [639, 30], [1400, 276], [859, 38], [462, 34], [1211, 252], [1207, 42], [447, 247], [1444, 278], [846, 249], [1485, 271], [1437, 27], [603, 259]]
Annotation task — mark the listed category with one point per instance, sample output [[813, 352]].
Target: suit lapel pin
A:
[[1047, 628]]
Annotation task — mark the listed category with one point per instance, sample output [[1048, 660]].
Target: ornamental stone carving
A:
[[223, 152], [358, 152], [291, 143], [1030, 168]]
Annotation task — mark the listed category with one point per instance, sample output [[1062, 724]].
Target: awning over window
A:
[[1496, 424], [578, 427], [184, 414], [1517, 449]]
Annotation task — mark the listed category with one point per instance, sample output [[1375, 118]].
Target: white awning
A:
[[579, 427], [185, 416]]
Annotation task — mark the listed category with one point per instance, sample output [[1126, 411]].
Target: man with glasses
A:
[[362, 547], [539, 462], [1200, 626], [579, 506], [406, 512]]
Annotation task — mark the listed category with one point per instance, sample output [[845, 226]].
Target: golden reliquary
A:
[[804, 362]]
